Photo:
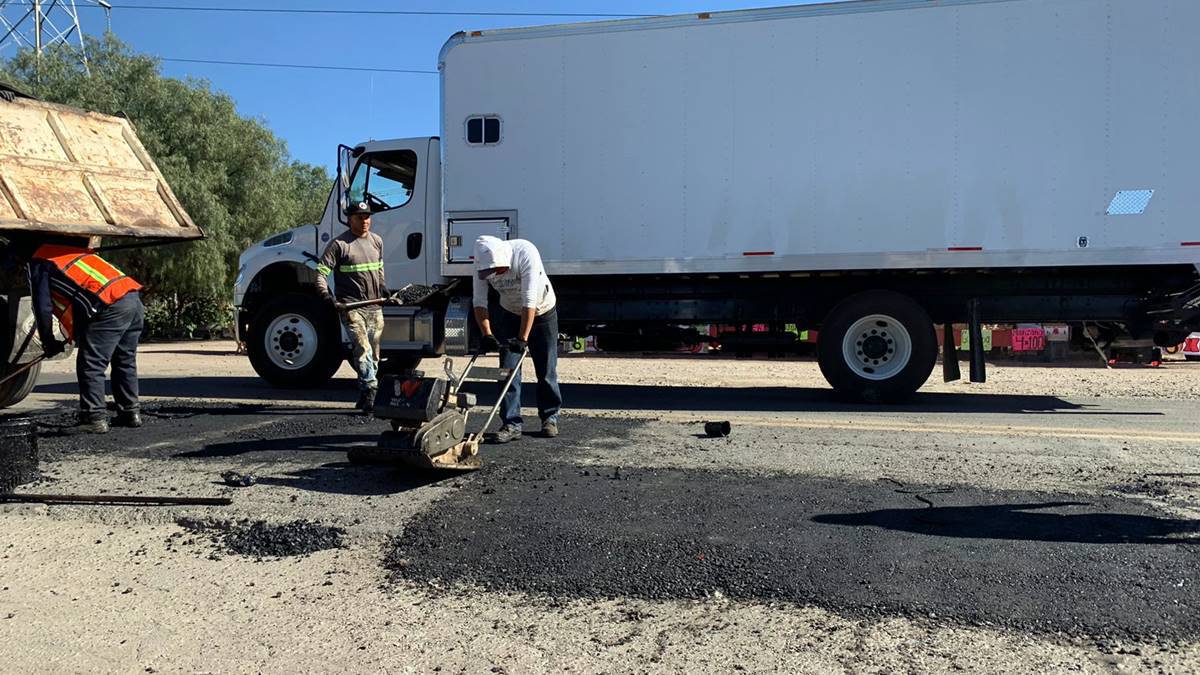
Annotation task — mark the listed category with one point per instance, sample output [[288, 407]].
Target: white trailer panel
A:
[[856, 135]]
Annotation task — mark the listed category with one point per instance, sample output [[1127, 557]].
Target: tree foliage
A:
[[233, 175]]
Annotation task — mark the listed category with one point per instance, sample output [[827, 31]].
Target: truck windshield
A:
[[384, 180]]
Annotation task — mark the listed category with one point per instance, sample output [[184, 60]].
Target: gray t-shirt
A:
[[357, 267]]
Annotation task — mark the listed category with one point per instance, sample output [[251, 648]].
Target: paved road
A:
[[1039, 514]]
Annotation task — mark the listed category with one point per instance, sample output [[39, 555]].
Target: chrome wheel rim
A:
[[877, 347]]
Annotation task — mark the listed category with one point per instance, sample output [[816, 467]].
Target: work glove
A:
[[488, 344], [393, 301], [516, 345], [53, 348]]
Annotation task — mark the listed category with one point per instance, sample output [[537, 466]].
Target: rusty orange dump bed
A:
[[69, 171]]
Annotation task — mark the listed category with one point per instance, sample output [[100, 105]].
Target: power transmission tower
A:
[[43, 24]]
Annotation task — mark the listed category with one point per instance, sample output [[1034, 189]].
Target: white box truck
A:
[[870, 168]]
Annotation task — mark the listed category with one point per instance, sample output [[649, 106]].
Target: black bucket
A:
[[18, 452], [717, 429]]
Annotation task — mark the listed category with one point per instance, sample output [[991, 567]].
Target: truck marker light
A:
[[704, 15], [758, 252], [476, 33], [1189, 243]]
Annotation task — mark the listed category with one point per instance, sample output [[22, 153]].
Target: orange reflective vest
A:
[[100, 281]]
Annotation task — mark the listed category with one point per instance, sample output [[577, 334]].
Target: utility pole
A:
[[45, 24]]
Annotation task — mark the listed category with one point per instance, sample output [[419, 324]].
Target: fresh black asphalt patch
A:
[[1032, 561]]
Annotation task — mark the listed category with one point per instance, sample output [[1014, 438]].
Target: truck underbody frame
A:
[[1126, 295]]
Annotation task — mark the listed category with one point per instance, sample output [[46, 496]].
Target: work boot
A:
[[549, 429], [507, 434], [128, 418], [89, 424], [366, 401]]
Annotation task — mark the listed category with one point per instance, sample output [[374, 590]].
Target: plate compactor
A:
[[429, 418]]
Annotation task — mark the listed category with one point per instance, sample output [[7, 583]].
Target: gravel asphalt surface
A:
[[1047, 521]]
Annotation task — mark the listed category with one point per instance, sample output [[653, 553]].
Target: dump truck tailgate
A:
[[69, 171]]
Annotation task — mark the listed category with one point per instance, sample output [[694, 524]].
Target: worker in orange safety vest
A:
[[100, 310]]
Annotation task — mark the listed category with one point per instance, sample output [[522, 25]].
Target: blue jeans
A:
[[543, 349], [109, 337]]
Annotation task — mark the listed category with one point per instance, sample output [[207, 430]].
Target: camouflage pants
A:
[[365, 328]]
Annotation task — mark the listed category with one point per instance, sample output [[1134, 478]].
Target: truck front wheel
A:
[[15, 389], [294, 341], [877, 346]]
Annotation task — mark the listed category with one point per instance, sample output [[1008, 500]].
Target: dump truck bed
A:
[[68, 171]]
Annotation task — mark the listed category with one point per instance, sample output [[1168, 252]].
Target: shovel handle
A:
[[504, 390], [22, 369]]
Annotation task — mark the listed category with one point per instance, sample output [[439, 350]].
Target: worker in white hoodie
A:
[[527, 317]]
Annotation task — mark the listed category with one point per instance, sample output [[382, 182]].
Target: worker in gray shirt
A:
[[355, 258], [528, 317]]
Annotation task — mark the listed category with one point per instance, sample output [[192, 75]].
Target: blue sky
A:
[[314, 110]]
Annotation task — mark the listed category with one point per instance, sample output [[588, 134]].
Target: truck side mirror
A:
[[345, 164], [342, 186]]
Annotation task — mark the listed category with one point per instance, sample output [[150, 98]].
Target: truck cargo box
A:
[[67, 171], [888, 134]]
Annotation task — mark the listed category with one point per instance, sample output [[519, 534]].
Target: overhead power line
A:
[[368, 12], [301, 66]]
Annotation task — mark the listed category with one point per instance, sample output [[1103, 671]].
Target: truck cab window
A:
[[384, 180]]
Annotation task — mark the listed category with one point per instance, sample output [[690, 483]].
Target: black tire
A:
[[881, 337], [294, 321], [16, 389]]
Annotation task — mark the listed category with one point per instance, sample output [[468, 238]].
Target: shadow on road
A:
[[1024, 522], [633, 397], [224, 388], [327, 443], [344, 478]]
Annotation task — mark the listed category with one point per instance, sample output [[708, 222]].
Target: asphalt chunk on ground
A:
[[259, 539], [534, 521]]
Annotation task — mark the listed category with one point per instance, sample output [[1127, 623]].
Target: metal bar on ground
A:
[[114, 500]]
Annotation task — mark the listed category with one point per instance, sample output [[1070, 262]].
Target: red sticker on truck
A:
[[1028, 340]]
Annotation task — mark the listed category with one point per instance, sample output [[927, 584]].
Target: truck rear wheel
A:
[[15, 390], [877, 346], [294, 341]]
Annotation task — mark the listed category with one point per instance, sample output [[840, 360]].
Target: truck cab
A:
[[293, 337]]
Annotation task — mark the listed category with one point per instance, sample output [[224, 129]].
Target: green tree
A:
[[233, 175]]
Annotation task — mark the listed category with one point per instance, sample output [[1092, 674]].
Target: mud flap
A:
[[975, 326], [950, 369]]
